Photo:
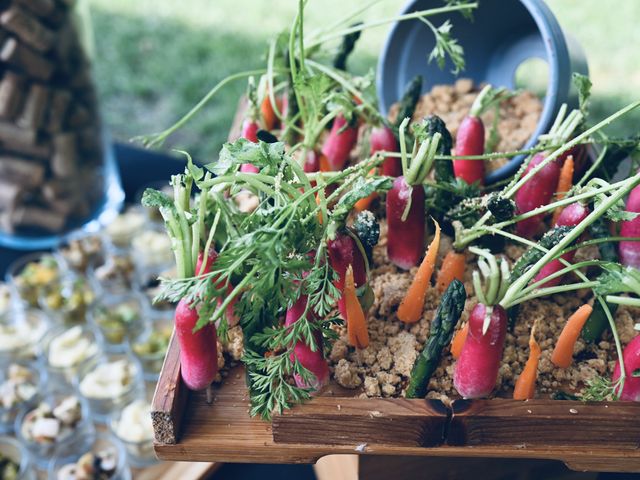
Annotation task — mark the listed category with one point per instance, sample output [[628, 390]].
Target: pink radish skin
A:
[[338, 145], [383, 139], [535, 193], [470, 141], [343, 252], [312, 361], [198, 351], [312, 162], [405, 240], [476, 370], [571, 216], [630, 251], [631, 355], [250, 130]]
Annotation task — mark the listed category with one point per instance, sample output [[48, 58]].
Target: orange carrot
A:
[[412, 304], [452, 267], [563, 353], [458, 341], [268, 113], [526, 384], [364, 203], [324, 163], [564, 185], [356, 324]]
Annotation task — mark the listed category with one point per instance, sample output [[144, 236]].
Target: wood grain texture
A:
[[544, 423], [170, 398], [348, 421]]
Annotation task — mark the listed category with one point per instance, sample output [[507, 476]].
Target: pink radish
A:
[[470, 141], [312, 162], [339, 143], [629, 250], [535, 193], [405, 238], [631, 356], [249, 131], [571, 216], [312, 361], [383, 139], [198, 351], [343, 251], [476, 371]]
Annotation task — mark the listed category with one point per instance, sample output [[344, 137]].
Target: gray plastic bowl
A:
[[502, 36]]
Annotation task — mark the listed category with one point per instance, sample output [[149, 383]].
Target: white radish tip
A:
[[488, 312]]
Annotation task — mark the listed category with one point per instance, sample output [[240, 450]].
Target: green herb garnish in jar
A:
[[118, 322], [73, 300], [35, 277]]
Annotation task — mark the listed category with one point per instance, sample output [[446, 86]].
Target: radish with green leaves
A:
[[631, 355], [338, 145], [406, 203], [476, 370], [470, 137], [343, 250]]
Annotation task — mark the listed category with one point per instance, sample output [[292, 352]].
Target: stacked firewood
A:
[[50, 144]]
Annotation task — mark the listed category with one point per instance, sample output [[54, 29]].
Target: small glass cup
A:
[[124, 228], [31, 274], [69, 453], [21, 335], [115, 276], [149, 284], [150, 347], [132, 426], [22, 396], [41, 451], [120, 319], [67, 349], [83, 250], [6, 303], [102, 397], [10, 448], [70, 300]]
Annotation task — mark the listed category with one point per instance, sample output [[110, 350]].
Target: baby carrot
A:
[[412, 304], [563, 353], [564, 185], [453, 267], [268, 113], [526, 384], [458, 341], [357, 332], [365, 203]]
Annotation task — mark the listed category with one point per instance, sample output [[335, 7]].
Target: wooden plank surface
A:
[[170, 397], [544, 423], [349, 421], [224, 432]]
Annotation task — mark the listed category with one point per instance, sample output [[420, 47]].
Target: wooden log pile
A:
[[50, 144]]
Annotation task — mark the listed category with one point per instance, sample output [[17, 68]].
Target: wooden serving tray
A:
[[585, 436]]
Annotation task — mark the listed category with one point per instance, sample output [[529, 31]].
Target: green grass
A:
[[155, 59]]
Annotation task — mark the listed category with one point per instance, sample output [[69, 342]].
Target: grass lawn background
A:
[[156, 58]]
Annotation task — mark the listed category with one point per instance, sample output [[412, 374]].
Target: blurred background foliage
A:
[[156, 58]]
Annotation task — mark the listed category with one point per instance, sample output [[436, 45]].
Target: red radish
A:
[[383, 139], [629, 250], [405, 238], [571, 216], [339, 143], [470, 136], [343, 251], [535, 193], [250, 129], [470, 141], [211, 257], [198, 351], [312, 361], [312, 162], [631, 356], [476, 371]]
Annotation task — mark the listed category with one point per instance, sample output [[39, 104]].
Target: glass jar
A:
[[133, 427], [85, 451], [20, 386], [31, 275], [69, 301], [108, 383], [120, 318], [120, 233], [58, 417], [16, 453], [21, 335], [82, 250], [150, 347], [115, 276], [66, 349], [58, 172]]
